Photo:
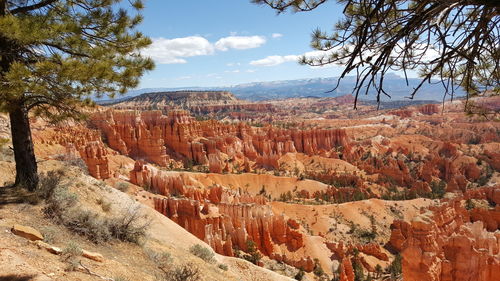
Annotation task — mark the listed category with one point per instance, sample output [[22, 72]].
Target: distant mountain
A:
[[177, 99], [322, 87], [316, 87]]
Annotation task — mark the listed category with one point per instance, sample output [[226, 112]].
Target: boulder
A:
[[27, 232]]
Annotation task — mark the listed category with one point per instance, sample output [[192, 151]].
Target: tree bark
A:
[[24, 153]]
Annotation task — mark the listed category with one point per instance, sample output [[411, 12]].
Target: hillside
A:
[[178, 99], [20, 258]]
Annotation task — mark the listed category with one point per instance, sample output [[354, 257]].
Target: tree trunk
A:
[[24, 153]]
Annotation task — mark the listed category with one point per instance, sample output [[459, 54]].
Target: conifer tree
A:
[[55, 55], [454, 41]]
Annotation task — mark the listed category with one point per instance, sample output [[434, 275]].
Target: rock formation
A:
[[225, 219], [150, 135], [441, 244]]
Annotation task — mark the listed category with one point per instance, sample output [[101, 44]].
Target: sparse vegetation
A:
[[122, 186], [469, 204], [395, 268], [318, 270], [252, 255], [186, 272], [62, 206], [105, 205], [49, 234], [358, 271], [71, 255], [203, 253], [163, 260], [438, 189], [223, 267], [299, 275]]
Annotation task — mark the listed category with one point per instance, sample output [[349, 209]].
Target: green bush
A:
[[358, 271], [318, 270], [252, 255], [203, 253], [223, 267], [395, 268]]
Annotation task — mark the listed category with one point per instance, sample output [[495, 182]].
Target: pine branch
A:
[[33, 7]]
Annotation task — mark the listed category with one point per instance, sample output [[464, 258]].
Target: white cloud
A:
[[174, 51], [274, 60], [250, 70], [232, 71], [239, 42], [277, 60], [171, 51], [277, 35]]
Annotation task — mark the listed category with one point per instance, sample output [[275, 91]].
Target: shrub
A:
[[223, 267], [88, 224], [163, 260], [122, 186], [128, 227], [368, 235], [358, 271], [71, 255], [202, 252], [186, 272], [59, 202], [49, 234], [469, 204], [252, 254], [62, 207], [105, 205], [438, 189], [395, 268], [299, 275], [48, 182], [78, 162], [318, 270]]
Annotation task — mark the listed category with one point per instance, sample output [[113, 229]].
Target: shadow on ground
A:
[[14, 195], [13, 277]]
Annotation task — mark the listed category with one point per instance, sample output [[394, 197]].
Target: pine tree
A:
[[376, 37], [55, 55]]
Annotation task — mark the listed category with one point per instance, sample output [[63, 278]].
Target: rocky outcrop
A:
[[150, 136], [441, 244], [27, 232], [429, 109], [80, 142], [225, 219], [95, 156], [226, 227], [128, 133]]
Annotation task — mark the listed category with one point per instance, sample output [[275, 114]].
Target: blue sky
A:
[[228, 42]]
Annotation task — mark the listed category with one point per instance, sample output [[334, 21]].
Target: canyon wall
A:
[[154, 137]]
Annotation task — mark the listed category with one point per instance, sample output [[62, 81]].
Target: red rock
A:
[[150, 136], [442, 245]]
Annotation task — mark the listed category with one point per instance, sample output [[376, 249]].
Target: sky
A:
[[227, 42]]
